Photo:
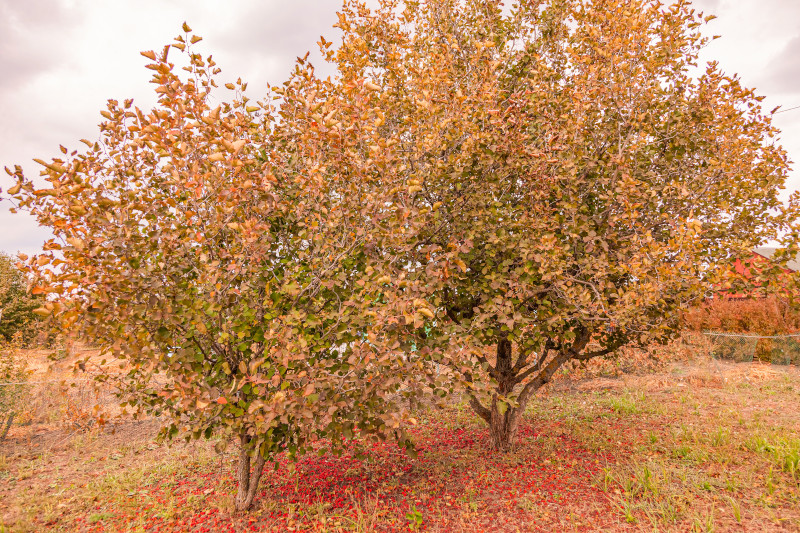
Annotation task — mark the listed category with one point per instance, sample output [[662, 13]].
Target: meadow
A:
[[695, 444]]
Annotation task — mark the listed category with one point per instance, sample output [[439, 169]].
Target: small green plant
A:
[[769, 481], [625, 405], [99, 517], [720, 437], [414, 518], [737, 509], [784, 452]]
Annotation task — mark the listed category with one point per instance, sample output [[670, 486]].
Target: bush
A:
[[16, 305], [763, 316], [13, 388], [772, 316]]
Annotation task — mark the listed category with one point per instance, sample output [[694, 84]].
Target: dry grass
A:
[[698, 446]]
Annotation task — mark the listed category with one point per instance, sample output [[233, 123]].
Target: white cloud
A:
[[61, 59]]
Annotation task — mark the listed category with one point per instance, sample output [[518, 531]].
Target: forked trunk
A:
[[248, 481], [503, 427], [504, 419]]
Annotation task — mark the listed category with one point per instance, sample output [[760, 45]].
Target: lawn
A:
[[700, 445]]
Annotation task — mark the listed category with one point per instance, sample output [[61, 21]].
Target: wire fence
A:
[[42, 405], [744, 347]]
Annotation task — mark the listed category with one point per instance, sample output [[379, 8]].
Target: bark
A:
[[504, 422], [9, 421], [503, 426], [248, 481]]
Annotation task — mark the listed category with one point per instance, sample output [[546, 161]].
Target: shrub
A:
[[763, 316], [13, 389], [16, 305]]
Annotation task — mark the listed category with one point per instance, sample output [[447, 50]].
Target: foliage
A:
[[13, 375], [758, 316], [659, 450], [200, 244], [563, 181], [771, 316], [16, 304]]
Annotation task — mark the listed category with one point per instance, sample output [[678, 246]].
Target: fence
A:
[[36, 405], [741, 347]]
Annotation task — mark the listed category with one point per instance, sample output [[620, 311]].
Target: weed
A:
[[414, 518], [737, 509], [628, 404], [783, 452], [99, 517], [720, 437]]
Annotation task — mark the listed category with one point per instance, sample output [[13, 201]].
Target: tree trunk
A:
[[504, 420], [9, 421], [248, 482], [502, 423], [503, 426]]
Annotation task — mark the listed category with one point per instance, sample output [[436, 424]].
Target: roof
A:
[[767, 253]]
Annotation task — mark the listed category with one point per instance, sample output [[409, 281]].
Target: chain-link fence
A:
[[36, 405], [742, 347]]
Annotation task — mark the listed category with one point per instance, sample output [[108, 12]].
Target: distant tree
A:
[[17, 305], [14, 390], [565, 179], [198, 243]]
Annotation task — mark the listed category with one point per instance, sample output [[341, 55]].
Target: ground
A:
[[699, 445]]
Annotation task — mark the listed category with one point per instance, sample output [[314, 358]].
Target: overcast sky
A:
[[60, 60]]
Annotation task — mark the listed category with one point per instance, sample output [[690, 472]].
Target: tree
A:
[[16, 304], [569, 179], [198, 244], [13, 382]]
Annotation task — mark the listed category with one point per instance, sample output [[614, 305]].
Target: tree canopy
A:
[[500, 190], [570, 177], [17, 305], [196, 244]]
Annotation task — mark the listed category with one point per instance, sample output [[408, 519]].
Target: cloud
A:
[[29, 46], [270, 36], [27, 236], [707, 6], [784, 69]]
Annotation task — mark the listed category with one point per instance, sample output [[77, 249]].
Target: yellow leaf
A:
[[371, 86], [186, 28], [216, 156], [15, 189], [41, 311], [426, 312], [149, 54], [77, 243], [53, 166]]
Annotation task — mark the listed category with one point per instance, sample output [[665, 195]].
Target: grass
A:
[[643, 454]]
